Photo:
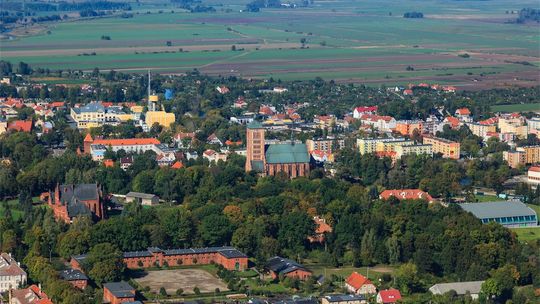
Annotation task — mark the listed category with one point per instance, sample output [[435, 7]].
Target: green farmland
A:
[[363, 42], [529, 107]]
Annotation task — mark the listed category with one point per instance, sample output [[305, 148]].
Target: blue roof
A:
[[287, 154]]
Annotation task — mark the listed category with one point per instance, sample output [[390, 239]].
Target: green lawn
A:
[[488, 198], [13, 205], [527, 234], [517, 107], [374, 272]]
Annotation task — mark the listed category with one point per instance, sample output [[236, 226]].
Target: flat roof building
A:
[[509, 214]]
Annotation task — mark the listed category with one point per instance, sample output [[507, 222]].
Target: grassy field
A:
[[489, 198], [517, 108], [344, 40], [527, 234]]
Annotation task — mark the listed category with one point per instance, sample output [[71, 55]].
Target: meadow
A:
[[363, 42], [517, 107]]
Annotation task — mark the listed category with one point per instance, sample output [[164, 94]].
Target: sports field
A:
[[361, 41], [186, 279]]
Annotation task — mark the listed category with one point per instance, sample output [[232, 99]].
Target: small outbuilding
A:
[[142, 198]]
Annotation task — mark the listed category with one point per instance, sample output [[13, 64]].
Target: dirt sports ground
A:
[[470, 44], [187, 279]]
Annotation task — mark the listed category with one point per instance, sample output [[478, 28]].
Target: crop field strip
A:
[[362, 44]]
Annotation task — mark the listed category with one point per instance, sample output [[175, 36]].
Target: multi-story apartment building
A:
[[407, 127], [327, 145], [413, 149], [448, 148], [11, 274], [522, 156], [95, 114], [513, 124], [481, 130], [369, 145]]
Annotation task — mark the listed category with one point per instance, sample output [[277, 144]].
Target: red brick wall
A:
[[188, 260], [110, 298], [81, 284], [298, 274]]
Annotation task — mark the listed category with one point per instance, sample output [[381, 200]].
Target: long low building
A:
[[461, 288], [510, 214], [228, 257]]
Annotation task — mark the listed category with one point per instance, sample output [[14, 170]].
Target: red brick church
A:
[[70, 201], [291, 159]]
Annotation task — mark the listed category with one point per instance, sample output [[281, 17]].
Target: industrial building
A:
[[510, 214]]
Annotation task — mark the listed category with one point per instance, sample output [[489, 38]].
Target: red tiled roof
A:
[[108, 163], [57, 104], [177, 165], [390, 295], [106, 104], [463, 111], [20, 125], [233, 143], [127, 142], [88, 138], [454, 122], [357, 280], [406, 194], [366, 109], [322, 226], [534, 169], [489, 121]]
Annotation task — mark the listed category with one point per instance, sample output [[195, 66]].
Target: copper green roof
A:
[[287, 154], [254, 125]]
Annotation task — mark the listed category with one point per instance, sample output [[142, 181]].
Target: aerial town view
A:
[[269, 151]]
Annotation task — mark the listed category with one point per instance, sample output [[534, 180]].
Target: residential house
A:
[[222, 89], [388, 296], [20, 125], [11, 273], [381, 123], [278, 266], [30, 295], [214, 140], [463, 114], [359, 111], [453, 122], [214, 156], [321, 229], [359, 284], [75, 277]]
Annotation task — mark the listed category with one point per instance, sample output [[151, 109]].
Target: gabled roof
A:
[[72, 275], [366, 109], [357, 280], [283, 266], [461, 288], [177, 165], [463, 111], [20, 125], [390, 295]]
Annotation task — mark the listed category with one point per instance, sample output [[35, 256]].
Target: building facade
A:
[[162, 118], [118, 292], [282, 267], [448, 148], [291, 159], [327, 145], [228, 257], [510, 214], [69, 201], [11, 273]]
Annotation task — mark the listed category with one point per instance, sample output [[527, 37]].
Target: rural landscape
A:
[[476, 45], [270, 151]]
